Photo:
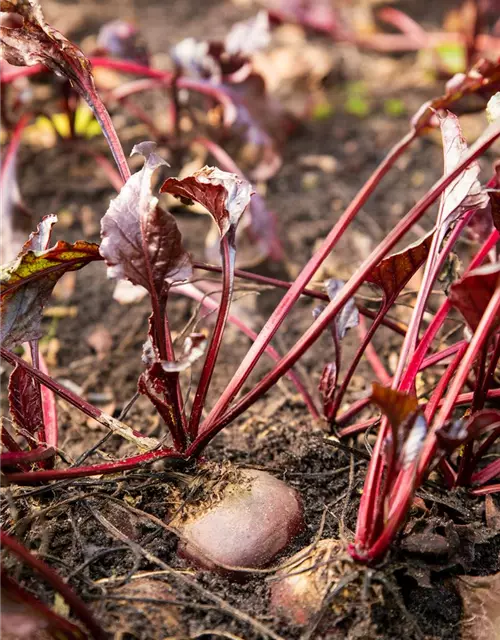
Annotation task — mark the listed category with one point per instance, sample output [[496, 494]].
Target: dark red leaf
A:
[[472, 293], [161, 388], [224, 195], [25, 403], [27, 282], [395, 271], [33, 41], [140, 241], [407, 422]]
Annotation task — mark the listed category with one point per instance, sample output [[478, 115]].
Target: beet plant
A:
[[245, 517]]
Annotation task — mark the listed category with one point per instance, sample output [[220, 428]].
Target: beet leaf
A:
[[27, 282]]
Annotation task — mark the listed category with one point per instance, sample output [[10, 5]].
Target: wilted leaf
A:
[[348, 316], [224, 195], [25, 404], [121, 39], [159, 614], [396, 405], [194, 347], [395, 271], [27, 282], [481, 606], [465, 191], [140, 241], [472, 293], [34, 41]]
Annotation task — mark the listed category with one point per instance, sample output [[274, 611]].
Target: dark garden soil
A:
[[109, 536]]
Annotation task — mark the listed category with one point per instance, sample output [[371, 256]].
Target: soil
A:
[[78, 526]]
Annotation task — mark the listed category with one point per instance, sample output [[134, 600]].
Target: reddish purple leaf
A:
[[161, 388], [27, 282], [33, 41], [140, 241], [121, 39], [25, 403], [408, 425], [224, 195], [28, 40], [395, 271], [472, 293]]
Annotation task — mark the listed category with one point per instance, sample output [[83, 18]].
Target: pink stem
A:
[[228, 253], [34, 477], [192, 292], [78, 402], [214, 423], [311, 293], [277, 317]]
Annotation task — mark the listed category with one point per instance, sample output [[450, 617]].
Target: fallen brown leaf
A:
[[481, 607]]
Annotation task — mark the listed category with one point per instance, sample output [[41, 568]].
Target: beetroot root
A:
[[253, 517]]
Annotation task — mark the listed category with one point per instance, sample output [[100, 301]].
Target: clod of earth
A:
[[244, 522]]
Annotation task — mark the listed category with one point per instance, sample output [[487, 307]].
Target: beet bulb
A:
[[300, 588], [248, 518]]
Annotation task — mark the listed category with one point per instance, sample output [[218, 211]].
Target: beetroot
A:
[[302, 585], [248, 518]]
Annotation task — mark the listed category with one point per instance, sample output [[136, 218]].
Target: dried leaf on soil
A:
[[481, 606]]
